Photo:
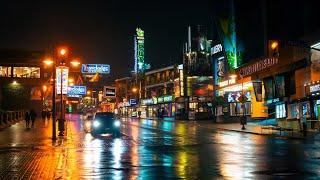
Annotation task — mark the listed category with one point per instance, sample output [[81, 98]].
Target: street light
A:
[[75, 63], [49, 62], [62, 53], [134, 90]]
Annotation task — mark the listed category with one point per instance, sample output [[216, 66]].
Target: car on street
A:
[[105, 123]]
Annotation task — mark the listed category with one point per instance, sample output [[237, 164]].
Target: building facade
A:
[[23, 80]]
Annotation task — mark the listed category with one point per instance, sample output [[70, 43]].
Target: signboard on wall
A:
[[133, 101], [258, 66], [62, 77], [76, 90], [95, 68], [109, 92]]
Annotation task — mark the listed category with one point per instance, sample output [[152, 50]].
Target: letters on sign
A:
[[258, 66], [216, 49], [314, 88]]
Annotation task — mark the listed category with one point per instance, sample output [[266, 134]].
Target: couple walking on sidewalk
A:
[[30, 116]]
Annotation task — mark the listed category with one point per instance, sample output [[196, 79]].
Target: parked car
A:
[[105, 122]]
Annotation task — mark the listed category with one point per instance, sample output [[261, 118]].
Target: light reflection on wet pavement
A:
[[150, 149]]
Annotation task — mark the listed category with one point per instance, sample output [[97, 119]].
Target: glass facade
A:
[[5, 71], [26, 72]]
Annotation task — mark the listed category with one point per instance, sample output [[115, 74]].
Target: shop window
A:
[[293, 111], [247, 107], [5, 71], [26, 72], [306, 109], [219, 111], [193, 106], [280, 111], [317, 108], [233, 109]]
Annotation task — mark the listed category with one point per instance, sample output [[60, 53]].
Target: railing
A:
[[8, 118]]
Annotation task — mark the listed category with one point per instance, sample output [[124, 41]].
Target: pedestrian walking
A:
[[43, 114], [48, 114], [33, 116], [27, 118]]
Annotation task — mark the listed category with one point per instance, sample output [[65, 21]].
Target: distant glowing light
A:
[[63, 51], [48, 62], [75, 63], [274, 45]]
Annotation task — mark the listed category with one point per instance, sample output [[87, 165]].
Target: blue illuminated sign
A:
[[133, 102], [76, 90], [95, 68]]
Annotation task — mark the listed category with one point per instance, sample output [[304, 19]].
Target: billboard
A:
[[76, 91], [95, 68], [109, 92], [63, 78]]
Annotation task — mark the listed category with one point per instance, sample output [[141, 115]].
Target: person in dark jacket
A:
[[33, 116], [43, 114], [27, 118]]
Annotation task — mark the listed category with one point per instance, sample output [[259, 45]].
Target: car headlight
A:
[[96, 123], [116, 123]]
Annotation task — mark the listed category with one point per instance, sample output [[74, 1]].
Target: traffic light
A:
[[273, 48]]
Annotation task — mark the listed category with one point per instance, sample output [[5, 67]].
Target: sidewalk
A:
[[257, 129], [250, 128]]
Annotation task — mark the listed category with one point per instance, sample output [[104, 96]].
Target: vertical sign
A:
[[65, 71], [139, 50]]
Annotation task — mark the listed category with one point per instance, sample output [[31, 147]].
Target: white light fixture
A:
[[117, 123]]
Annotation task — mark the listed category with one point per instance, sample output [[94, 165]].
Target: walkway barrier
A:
[[8, 118]]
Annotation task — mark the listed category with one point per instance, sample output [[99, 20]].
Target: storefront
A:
[[200, 108], [158, 107], [240, 99]]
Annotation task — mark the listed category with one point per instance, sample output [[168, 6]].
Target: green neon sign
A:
[[140, 49]]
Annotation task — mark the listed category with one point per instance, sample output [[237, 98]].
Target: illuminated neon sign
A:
[[95, 68], [139, 51], [77, 90]]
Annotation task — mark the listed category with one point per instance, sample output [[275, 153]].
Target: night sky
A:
[[102, 31]]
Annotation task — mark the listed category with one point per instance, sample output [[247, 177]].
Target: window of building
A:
[[5, 71], [281, 111], [26, 72]]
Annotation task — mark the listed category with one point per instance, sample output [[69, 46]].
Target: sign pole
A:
[[54, 136]]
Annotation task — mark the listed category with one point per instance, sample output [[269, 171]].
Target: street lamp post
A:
[[54, 128], [51, 62], [63, 53]]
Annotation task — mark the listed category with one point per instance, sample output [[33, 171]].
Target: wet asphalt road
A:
[[150, 149]]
